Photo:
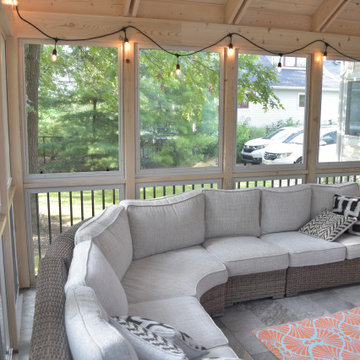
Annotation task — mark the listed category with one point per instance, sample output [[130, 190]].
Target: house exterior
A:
[[291, 90]]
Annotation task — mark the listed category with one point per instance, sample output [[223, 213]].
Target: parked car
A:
[[254, 149], [290, 151]]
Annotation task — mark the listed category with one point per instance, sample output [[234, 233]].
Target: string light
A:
[[231, 47], [325, 52], [178, 71], [54, 53], [10, 2], [279, 64], [126, 42]]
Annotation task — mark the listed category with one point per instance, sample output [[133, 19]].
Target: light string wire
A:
[[191, 53]]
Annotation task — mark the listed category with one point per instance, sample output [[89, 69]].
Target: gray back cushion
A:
[[169, 223], [323, 195], [111, 233], [89, 332], [232, 212], [285, 209], [89, 267]]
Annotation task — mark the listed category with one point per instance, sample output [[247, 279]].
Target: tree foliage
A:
[[179, 115], [78, 109]]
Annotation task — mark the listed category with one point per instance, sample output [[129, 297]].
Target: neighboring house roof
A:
[[296, 77]]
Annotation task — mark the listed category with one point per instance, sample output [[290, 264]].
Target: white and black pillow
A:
[[179, 338], [348, 206], [147, 344], [328, 225]]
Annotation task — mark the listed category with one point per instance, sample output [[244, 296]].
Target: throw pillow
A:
[[147, 344], [348, 206], [327, 225], [182, 340]]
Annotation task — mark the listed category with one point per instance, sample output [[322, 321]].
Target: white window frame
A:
[[111, 176], [178, 171], [321, 166], [5, 111], [242, 168]]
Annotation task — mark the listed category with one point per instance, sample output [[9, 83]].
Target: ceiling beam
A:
[[131, 7], [244, 6], [134, 7], [327, 13], [231, 9], [126, 8]]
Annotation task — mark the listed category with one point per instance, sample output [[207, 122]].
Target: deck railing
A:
[[337, 178], [158, 189], [51, 212], [270, 182]]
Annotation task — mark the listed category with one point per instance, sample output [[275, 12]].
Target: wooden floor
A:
[[239, 320]]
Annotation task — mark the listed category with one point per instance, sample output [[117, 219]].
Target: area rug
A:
[[330, 337]]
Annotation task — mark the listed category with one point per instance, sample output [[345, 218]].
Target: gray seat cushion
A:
[[169, 223], [232, 212], [285, 209], [185, 314], [185, 272], [111, 233], [305, 250], [352, 244], [244, 255], [323, 195]]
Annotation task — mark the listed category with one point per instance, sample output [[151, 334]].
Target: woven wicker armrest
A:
[[48, 340]]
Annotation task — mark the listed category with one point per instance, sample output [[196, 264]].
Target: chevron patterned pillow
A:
[[348, 206], [327, 225], [179, 338], [147, 344]]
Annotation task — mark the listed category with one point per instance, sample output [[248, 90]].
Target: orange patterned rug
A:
[[330, 337]]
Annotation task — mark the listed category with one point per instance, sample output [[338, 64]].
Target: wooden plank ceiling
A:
[[326, 16]]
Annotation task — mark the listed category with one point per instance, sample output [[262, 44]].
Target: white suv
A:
[[290, 151], [254, 149]]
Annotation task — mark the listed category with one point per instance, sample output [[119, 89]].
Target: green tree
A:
[[78, 109], [256, 77], [179, 115]]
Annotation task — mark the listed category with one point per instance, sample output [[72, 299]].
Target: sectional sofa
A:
[[178, 259]]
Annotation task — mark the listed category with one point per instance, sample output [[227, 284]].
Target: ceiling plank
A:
[[134, 7], [197, 34], [231, 9], [126, 8], [278, 20], [244, 6], [327, 13]]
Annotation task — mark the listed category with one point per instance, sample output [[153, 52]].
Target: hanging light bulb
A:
[[54, 53], [231, 47], [325, 52], [126, 42], [279, 64], [178, 70]]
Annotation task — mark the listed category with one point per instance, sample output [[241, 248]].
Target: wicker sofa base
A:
[[322, 276], [213, 301], [255, 286]]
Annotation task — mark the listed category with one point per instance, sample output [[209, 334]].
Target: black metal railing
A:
[[268, 182], [152, 191], [53, 212], [338, 178]]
